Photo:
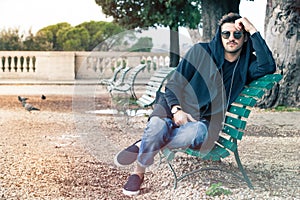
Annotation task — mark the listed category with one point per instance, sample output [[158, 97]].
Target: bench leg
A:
[[175, 175], [239, 163], [133, 93]]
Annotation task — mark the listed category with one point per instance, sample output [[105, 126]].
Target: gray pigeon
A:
[[29, 107], [22, 99]]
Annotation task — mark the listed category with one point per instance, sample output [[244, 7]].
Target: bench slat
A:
[[227, 143], [113, 78], [144, 102], [223, 153], [161, 74], [128, 84], [151, 93], [147, 98], [122, 87], [235, 133], [154, 85], [242, 112], [215, 154], [156, 79], [246, 101], [193, 152], [262, 84], [237, 123], [271, 77], [253, 92]]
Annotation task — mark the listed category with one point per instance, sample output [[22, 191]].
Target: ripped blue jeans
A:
[[160, 133]]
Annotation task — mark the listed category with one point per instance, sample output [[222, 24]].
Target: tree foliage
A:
[[143, 14], [99, 32], [51, 33], [144, 44], [10, 40], [73, 39], [60, 37]]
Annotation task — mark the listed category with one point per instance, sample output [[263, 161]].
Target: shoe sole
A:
[[119, 164], [130, 193]]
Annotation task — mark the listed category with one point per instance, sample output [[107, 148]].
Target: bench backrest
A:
[[116, 72], [123, 73], [133, 74], [154, 85], [235, 120]]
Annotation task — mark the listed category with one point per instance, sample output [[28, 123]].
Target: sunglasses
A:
[[236, 34]]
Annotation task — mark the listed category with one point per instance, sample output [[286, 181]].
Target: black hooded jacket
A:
[[197, 85], [197, 81]]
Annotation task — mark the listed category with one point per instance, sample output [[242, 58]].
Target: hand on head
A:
[[244, 24]]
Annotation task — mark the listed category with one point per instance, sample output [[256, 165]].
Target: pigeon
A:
[[22, 99], [43, 97], [29, 107]]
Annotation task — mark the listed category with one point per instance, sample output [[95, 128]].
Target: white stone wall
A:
[[70, 66]]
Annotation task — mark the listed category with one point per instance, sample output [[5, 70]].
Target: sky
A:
[[255, 11], [37, 14]]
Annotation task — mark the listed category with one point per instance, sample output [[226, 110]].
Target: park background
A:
[[59, 153]]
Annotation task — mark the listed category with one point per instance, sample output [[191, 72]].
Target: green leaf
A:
[[216, 190]]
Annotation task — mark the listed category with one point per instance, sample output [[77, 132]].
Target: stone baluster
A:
[[99, 64], [155, 62], [27, 63], [15, 63], [22, 63], [9, 63], [33, 63], [3, 63]]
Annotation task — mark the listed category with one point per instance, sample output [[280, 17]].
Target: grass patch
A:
[[216, 189], [284, 109]]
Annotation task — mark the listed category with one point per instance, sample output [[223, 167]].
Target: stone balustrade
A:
[[70, 66]]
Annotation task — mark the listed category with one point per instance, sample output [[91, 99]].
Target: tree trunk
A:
[[282, 33], [212, 12], [174, 46]]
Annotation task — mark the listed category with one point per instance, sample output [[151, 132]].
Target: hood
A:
[[217, 51]]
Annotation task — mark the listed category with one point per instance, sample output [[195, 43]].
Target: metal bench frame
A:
[[113, 78], [128, 84], [154, 85]]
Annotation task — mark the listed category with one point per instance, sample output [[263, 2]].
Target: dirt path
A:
[[57, 153]]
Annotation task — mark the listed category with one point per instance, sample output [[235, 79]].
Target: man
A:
[[207, 80]]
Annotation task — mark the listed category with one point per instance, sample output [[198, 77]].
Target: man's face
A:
[[232, 39]]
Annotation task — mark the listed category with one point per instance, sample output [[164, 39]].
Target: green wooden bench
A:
[[233, 130], [154, 85], [119, 80], [113, 78], [128, 84]]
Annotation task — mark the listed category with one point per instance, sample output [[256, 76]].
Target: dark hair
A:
[[229, 18]]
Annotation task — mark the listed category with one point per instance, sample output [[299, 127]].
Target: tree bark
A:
[[212, 12], [282, 36], [174, 46]]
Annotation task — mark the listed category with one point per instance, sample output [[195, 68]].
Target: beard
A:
[[233, 50]]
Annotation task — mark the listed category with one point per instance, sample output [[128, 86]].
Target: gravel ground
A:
[[62, 152]]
